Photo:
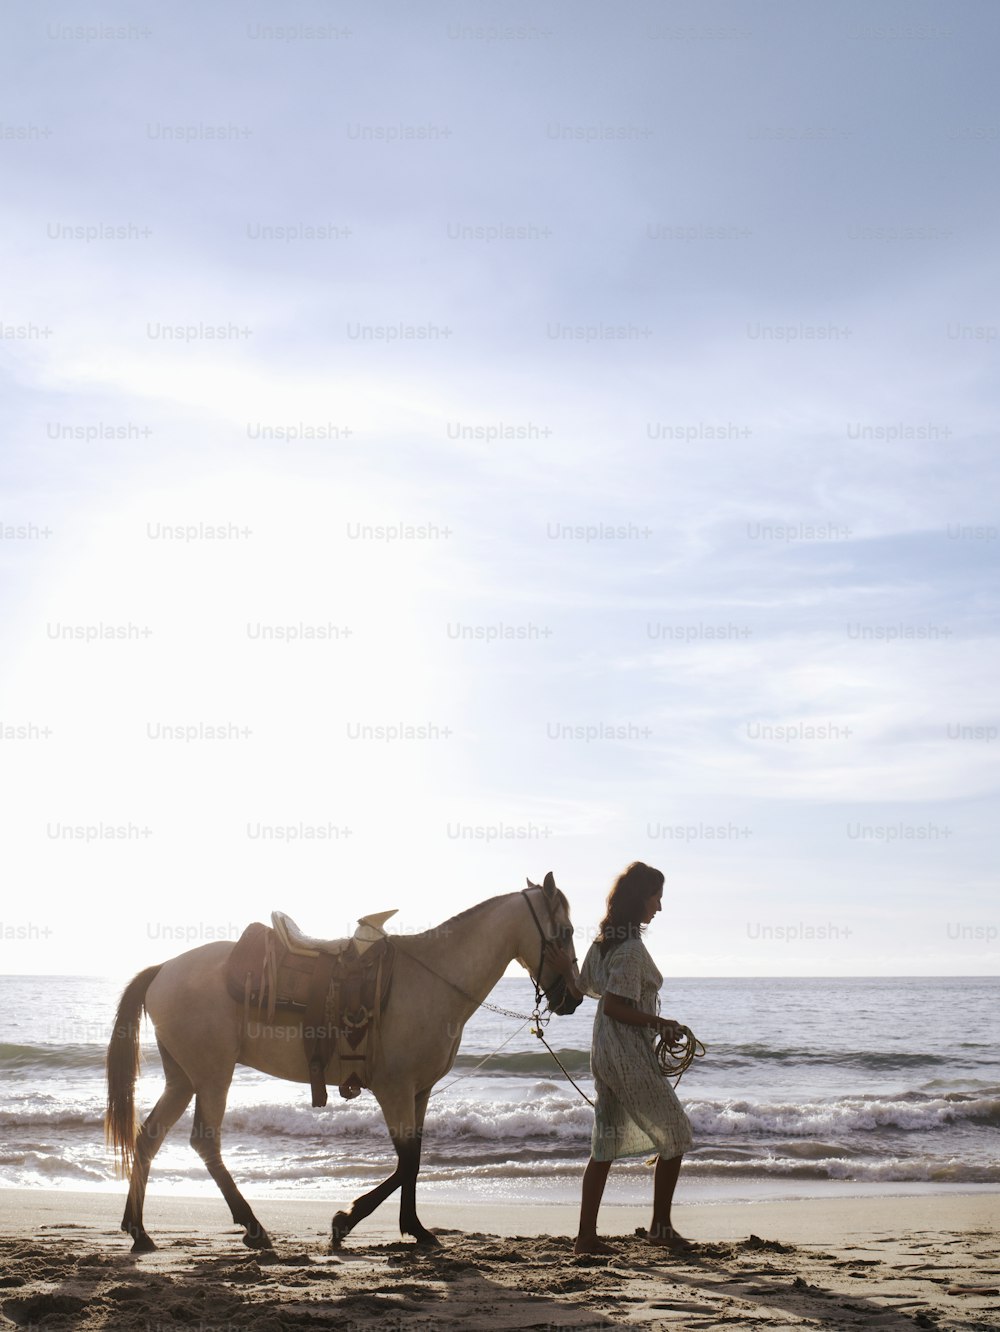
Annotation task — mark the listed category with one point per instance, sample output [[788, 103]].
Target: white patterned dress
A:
[[637, 1110]]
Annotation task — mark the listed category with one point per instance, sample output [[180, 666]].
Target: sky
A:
[[448, 443]]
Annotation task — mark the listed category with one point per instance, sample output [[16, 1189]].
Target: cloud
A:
[[663, 389]]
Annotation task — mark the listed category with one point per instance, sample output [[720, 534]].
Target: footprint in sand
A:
[[31, 1310]]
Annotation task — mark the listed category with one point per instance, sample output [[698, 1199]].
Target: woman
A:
[[637, 1110]]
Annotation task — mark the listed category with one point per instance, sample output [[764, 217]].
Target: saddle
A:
[[338, 987]]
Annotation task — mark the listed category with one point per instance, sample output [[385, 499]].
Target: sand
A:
[[891, 1263]]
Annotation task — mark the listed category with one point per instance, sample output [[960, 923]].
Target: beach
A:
[[891, 1261], [844, 1174]]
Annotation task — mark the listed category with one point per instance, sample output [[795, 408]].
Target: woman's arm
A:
[[620, 1010], [615, 1006]]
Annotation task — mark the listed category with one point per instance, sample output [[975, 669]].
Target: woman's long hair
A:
[[626, 904]]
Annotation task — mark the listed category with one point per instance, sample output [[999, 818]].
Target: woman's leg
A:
[[664, 1182], [594, 1179]]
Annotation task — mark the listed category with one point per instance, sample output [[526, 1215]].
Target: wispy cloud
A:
[[613, 407]]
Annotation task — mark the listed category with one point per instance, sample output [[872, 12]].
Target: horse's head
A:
[[550, 922]]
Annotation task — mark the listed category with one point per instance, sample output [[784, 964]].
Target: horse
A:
[[440, 977]]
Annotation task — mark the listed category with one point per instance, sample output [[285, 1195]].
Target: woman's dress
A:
[[637, 1110]]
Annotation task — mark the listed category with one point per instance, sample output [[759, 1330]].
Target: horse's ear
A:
[[549, 884], [532, 885]]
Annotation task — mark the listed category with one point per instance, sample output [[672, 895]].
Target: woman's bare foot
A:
[[594, 1245], [668, 1238]]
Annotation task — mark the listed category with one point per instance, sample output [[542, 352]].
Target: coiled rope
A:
[[676, 1056]]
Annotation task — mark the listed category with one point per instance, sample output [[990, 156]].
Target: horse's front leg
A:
[[344, 1222], [404, 1116], [408, 1150]]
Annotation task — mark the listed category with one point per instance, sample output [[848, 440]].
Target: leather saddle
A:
[[336, 987]]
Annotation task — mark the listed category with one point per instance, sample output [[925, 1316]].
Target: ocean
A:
[[809, 1086]]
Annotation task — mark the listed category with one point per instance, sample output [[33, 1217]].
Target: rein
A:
[[537, 978], [535, 1017]]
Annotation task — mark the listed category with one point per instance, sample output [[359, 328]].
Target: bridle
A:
[[559, 933]]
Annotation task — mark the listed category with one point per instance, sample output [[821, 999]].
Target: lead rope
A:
[[537, 1031], [462, 1076]]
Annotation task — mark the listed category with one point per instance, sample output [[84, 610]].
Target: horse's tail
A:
[[120, 1129]]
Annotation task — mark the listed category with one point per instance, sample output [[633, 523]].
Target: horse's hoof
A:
[[426, 1240], [257, 1240], [340, 1228], [143, 1244]]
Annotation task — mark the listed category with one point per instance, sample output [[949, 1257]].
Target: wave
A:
[[89, 1057], [321, 1172], [49, 1166], [52, 1056], [727, 1056], [85, 1057], [886, 1061], [885, 1171], [528, 1063], [549, 1114], [548, 1118], [52, 1117], [921, 1170], [82, 1057], [907, 1112]]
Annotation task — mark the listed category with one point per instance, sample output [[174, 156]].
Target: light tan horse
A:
[[440, 978]]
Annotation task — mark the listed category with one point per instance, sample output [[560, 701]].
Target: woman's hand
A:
[[669, 1030]]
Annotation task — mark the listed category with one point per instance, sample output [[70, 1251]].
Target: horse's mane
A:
[[469, 911], [443, 928]]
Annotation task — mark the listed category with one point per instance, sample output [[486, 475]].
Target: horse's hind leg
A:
[[164, 1115], [206, 1138]]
